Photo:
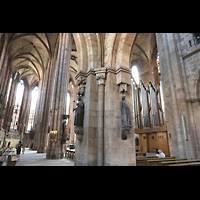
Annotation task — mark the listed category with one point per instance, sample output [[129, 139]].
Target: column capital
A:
[[123, 75], [101, 75]]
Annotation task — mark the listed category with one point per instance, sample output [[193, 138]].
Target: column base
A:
[[41, 150], [54, 154]]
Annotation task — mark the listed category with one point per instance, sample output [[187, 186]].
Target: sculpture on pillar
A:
[[79, 116], [79, 110], [64, 135], [125, 118]]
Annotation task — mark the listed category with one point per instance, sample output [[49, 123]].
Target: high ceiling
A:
[[29, 53], [141, 54]]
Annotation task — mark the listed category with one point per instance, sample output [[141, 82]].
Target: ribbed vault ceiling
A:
[[30, 53], [141, 54]]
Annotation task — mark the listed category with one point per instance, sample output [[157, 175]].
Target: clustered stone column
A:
[[10, 104], [117, 150], [55, 150], [11, 101], [24, 111], [102, 142]]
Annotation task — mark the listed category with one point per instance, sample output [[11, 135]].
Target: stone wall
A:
[[117, 151], [179, 63], [101, 143]]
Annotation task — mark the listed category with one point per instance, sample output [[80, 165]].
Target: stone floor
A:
[[32, 158]]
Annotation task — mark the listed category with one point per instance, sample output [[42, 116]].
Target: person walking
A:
[[18, 149]]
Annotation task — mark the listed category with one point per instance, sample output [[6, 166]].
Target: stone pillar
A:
[[3, 52], [118, 152], [86, 148], [36, 116], [10, 105], [23, 109], [55, 149], [3, 95], [38, 113], [11, 101], [39, 126], [47, 99], [73, 100], [25, 113], [173, 77], [100, 76]]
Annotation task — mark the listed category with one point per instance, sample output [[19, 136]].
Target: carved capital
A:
[[101, 76], [123, 75]]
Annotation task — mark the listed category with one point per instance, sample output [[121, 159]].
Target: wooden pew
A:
[[140, 154], [11, 157], [2, 150], [179, 162], [142, 161], [157, 162], [186, 164], [2, 159], [4, 154]]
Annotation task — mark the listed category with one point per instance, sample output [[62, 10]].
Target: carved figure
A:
[[79, 113], [125, 114], [64, 136], [125, 118]]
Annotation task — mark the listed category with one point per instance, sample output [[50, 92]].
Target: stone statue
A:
[[64, 136], [125, 118], [125, 114], [79, 113]]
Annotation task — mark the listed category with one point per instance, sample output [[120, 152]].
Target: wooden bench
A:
[[157, 162], [140, 154], [4, 154], [142, 161], [11, 157], [2, 159], [186, 164], [179, 162], [2, 150], [145, 157]]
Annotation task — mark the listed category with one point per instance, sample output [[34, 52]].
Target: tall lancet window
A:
[[17, 106], [68, 104], [135, 74], [34, 96]]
